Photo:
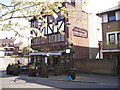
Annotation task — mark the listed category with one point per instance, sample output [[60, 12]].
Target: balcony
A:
[[110, 46]]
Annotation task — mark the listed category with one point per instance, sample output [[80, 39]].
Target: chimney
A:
[[78, 4]]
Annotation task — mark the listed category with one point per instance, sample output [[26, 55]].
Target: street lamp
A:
[[99, 49]]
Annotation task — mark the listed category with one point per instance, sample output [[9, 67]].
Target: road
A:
[[23, 81]]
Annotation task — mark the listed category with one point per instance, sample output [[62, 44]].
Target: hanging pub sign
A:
[[78, 32]]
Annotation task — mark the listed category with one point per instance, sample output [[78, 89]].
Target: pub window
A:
[[39, 40], [42, 40], [36, 41], [59, 38], [35, 59], [36, 24], [33, 24], [55, 36], [111, 38], [8, 48], [52, 39], [111, 16], [33, 41], [38, 59], [62, 37], [11, 43]]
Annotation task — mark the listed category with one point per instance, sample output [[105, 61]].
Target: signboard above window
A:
[[78, 32]]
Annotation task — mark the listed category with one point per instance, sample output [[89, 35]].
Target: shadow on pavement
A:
[[36, 80], [49, 82], [4, 75]]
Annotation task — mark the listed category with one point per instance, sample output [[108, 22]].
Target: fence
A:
[[96, 66]]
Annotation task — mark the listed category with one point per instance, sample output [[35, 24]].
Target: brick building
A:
[[10, 48], [74, 37], [8, 45], [111, 33], [19, 48]]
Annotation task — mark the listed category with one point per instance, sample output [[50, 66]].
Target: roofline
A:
[[99, 14]]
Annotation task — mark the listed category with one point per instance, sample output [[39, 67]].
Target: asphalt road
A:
[[23, 81]]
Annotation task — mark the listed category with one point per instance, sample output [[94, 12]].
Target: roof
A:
[[116, 8], [18, 44], [7, 40]]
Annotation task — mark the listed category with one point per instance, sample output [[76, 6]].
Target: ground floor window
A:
[[111, 56], [51, 60]]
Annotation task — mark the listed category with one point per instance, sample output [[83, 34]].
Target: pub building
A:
[[57, 47]]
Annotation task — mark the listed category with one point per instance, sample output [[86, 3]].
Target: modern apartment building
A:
[[111, 33], [63, 41]]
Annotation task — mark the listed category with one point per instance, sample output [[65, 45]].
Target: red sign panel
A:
[[80, 32]]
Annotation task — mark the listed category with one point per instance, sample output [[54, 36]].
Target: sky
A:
[[95, 6], [91, 6]]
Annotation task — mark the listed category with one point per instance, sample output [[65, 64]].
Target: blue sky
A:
[[95, 6], [6, 2]]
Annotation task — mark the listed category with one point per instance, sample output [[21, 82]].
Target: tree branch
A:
[[5, 5], [16, 17]]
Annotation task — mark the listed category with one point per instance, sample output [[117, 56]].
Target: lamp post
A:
[[68, 57], [28, 49], [99, 49]]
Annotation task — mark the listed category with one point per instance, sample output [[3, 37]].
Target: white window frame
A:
[[117, 15], [116, 38], [104, 18]]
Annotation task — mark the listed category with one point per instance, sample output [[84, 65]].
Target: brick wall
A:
[[80, 20], [109, 27], [96, 66]]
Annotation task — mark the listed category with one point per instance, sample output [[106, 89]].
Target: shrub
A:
[[15, 66], [31, 67]]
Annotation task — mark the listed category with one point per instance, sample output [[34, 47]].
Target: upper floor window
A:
[[56, 38], [8, 49], [111, 38], [34, 24], [118, 36], [11, 43], [111, 16]]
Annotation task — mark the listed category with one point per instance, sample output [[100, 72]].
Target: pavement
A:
[[89, 78], [82, 80]]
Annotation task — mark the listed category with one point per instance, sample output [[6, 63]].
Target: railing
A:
[[108, 45]]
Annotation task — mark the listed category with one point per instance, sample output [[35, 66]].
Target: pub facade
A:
[[65, 41]]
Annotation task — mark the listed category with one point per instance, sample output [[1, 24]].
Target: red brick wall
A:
[[96, 66], [78, 19]]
